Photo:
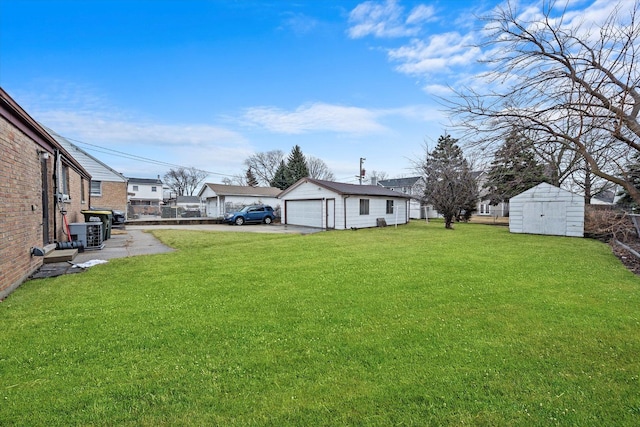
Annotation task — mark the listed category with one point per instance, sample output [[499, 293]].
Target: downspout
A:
[[345, 210], [56, 178], [407, 213]]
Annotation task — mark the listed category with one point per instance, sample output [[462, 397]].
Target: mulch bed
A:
[[628, 258]]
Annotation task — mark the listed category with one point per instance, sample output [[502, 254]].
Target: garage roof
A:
[[243, 190], [348, 189]]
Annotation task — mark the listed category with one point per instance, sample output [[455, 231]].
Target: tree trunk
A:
[[448, 222]]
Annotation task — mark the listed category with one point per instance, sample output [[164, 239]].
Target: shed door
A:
[[304, 212], [544, 217]]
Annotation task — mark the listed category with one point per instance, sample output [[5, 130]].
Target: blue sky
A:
[[208, 83]]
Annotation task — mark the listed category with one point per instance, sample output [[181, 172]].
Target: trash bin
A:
[[102, 216]]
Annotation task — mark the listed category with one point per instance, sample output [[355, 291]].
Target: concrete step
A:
[[60, 255]]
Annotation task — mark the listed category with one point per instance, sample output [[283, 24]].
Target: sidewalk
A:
[[133, 240], [122, 244]]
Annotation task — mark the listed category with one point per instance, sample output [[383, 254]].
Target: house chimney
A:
[[374, 180]]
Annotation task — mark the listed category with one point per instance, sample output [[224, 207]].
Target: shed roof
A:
[[242, 190], [544, 191], [188, 199], [348, 189]]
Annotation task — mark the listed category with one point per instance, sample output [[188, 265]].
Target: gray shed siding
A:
[[546, 209]]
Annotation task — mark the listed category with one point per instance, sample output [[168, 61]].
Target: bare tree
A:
[[571, 83], [318, 169], [379, 175], [264, 165], [184, 181]]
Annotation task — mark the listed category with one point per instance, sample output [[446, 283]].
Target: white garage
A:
[[335, 205], [546, 209]]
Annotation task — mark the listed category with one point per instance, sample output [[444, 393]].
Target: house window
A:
[[154, 189], [82, 191], [135, 188], [364, 206], [65, 180], [96, 188], [485, 209], [389, 206]]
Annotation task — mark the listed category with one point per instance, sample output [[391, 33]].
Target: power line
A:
[[121, 154]]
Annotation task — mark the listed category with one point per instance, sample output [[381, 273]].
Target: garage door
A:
[[304, 212]]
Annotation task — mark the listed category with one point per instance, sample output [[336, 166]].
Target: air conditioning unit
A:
[[88, 233]]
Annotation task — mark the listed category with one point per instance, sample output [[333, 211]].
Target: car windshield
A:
[[246, 209]]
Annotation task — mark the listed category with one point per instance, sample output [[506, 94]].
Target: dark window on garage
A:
[[364, 206], [389, 206]]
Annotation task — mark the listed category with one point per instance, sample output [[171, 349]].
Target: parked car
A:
[[117, 217], [253, 213]]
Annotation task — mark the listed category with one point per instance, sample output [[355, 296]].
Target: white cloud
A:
[[420, 14], [438, 53], [384, 19], [299, 23], [103, 127], [438, 90], [317, 117]]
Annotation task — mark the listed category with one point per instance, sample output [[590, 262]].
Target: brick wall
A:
[[114, 196], [20, 206]]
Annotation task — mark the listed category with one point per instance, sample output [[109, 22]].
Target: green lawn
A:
[[410, 326]]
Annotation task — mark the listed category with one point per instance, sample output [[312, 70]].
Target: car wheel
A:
[[267, 220], [239, 220]]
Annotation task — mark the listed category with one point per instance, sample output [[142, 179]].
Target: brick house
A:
[[108, 188], [41, 187]]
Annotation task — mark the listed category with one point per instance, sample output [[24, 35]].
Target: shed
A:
[[546, 209], [335, 205]]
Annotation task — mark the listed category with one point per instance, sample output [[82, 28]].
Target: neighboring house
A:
[[414, 187], [546, 209], [334, 205], [484, 207], [108, 188], [219, 199], [42, 187], [608, 197], [145, 197]]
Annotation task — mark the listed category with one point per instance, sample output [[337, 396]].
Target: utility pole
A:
[[361, 174]]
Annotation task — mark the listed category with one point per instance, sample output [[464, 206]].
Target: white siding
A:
[[324, 200], [545, 209], [295, 212]]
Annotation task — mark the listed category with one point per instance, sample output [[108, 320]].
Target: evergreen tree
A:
[[288, 174], [633, 176], [449, 185], [280, 179], [251, 178], [514, 169], [296, 166]]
